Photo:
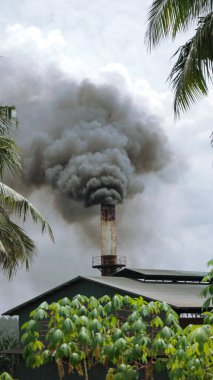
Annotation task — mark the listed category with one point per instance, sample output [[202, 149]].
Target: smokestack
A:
[[108, 231], [108, 262]]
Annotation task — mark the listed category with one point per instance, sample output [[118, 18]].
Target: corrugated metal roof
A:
[[176, 295], [157, 274], [166, 272]]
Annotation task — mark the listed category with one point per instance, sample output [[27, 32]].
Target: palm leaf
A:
[[9, 157], [171, 16], [194, 67], [16, 247], [8, 118], [20, 206]]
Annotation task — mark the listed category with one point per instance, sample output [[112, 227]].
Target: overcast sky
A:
[[168, 225]]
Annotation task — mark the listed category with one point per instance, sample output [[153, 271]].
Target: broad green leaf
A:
[[46, 356], [28, 338], [68, 326], [84, 336], [127, 300], [104, 300], [83, 310], [125, 327], [181, 354], [5, 376], [64, 350], [138, 326], [117, 334], [75, 304], [122, 368], [83, 320], [44, 305], [94, 313], [159, 345], [157, 322], [57, 336], [144, 311], [98, 340], [133, 317], [64, 301], [93, 302], [31, 326], [166, 332], [74, 359], [40, 314], [117, 302], [37, 345], [120, 344], [76, 320], [108, 308], [95, 325]]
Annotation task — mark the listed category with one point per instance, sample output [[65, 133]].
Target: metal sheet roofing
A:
[[166, 272], [176, 295], [161, 274]]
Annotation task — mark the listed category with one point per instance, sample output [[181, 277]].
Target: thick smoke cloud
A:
[[96, 148]]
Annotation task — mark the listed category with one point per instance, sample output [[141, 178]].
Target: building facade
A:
[[181, 290]]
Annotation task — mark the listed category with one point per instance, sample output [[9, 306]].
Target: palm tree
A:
[[16, 247], [194, 65]]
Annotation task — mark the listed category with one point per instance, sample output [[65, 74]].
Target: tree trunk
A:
[[86, 370]]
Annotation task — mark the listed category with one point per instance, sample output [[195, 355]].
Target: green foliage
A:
[[9, 362], [8, 117], [9, 326], [193, 68], [16, 247], [208, 292], [125, 335], [192, 358], [5, 376], [8, 342]]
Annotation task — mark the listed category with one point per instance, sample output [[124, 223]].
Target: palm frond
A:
[[9, 156], [16, 247], [194, 67], [20, 206], [8, 118], [168, 17]]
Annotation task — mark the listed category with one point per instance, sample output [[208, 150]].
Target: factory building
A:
[[180, 289]]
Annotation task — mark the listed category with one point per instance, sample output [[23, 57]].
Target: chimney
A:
[[108, 262], [108, 231]]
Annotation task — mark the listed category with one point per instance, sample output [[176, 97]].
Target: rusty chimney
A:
[[108, 262]]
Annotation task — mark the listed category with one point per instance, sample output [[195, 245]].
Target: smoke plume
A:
[[97, 147]]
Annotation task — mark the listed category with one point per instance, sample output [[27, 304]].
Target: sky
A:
[[50, 52]]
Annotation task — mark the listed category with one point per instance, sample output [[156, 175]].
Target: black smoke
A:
[[96, 147]]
